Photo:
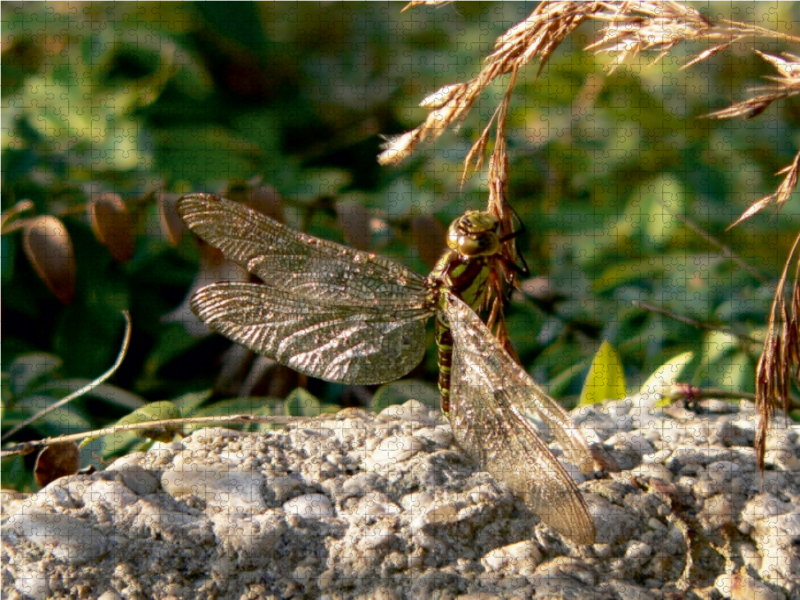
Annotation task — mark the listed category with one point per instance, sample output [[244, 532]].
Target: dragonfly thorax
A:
[[475, 233]]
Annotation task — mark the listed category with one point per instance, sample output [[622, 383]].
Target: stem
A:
[[28, 447]]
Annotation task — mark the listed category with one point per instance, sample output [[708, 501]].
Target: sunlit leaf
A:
[[606, 379], [188, 403], [662, 198], [259, 406], [666, 376], [717, 345]]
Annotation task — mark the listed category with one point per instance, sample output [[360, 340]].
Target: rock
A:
[[386, 506], [309, 506], [66, 537]]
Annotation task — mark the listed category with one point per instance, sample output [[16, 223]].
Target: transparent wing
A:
[[335, 342], [489, 394], [307, 266]]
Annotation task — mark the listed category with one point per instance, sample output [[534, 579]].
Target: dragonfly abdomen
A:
[[444, 343], [466, 278]]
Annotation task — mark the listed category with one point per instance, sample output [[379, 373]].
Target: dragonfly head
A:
[[474, 233]]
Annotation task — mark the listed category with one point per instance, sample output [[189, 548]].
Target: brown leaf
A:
[[213, 267], [171, 222], [235, 363], [57, 460], [112, 224], [428, 236], [267, 201], [354, 220], [267, 378], [49, 249], [237, 191]]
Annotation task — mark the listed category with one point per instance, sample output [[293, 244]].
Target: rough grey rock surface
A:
[[385, 506]]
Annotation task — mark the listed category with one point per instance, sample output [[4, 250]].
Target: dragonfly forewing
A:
[[300, 263], [489, 394]]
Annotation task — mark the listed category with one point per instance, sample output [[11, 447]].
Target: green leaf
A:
[[205, 153], [105, 391], [735, 373], [8, 253], [188, 403], [717, 346], [64, 419], [314, 183], [88, 338], [301, 403], [559, 384], [400, 392], [666, 376], [253, 405], [172, 342], [258, 406], [662, 198], [155, 411], [606, 379], [14, 475], [30, 370]]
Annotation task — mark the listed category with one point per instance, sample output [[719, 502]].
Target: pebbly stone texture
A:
[[385, 506]]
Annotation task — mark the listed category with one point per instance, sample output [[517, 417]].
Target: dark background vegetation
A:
[[147, 98]]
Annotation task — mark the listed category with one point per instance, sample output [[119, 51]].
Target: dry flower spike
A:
[[779, 363]]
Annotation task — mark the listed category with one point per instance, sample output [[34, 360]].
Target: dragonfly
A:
[[349, 316]]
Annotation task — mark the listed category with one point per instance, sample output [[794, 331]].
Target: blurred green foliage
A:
[[143, 98]]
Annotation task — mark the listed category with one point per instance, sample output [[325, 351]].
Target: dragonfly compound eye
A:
[[474, 234]]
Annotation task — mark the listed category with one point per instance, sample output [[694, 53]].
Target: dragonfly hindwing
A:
[[489, 391]]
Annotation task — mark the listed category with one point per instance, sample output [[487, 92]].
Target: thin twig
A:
[[727, 252], [88, 387], [688, 321], [695, 393], [28, 447]]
